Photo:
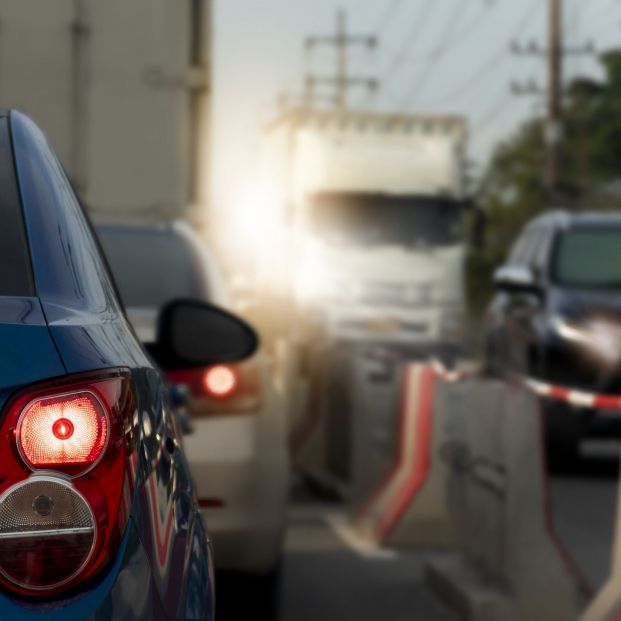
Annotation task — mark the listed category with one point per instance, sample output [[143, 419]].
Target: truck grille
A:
[[388, 294]]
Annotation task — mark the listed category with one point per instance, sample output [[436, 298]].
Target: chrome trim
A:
[[47, 533]]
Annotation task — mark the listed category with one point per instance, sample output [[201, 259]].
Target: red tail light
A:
[[220, 382], [68, 432], [222, 388], [65, 493]]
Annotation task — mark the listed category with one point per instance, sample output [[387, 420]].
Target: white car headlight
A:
[[597, 336]]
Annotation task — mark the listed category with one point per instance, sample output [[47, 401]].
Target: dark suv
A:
[[557, 318]]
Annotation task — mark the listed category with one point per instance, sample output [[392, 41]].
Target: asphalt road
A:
[[584, 509], [325, 577], [328, 575]]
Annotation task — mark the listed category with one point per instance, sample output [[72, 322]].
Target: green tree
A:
[[512, 190]]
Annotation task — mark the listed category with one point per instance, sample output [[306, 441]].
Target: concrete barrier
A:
[[345, 438], [510, 564], [410, 503]]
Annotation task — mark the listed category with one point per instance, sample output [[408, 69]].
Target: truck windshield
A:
[[588, 258], [372, 219]]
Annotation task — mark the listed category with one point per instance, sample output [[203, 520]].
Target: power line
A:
[[418, 23], [437, 53], [342, 81], [462, 35], [391, 9], [490, 64], [499, 107]]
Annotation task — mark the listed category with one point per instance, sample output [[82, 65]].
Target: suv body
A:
[[557, 315]]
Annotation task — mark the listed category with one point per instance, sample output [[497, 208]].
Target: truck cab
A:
[[374, 204]]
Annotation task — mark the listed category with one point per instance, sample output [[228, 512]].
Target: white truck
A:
[[373, 207], [122, 91]]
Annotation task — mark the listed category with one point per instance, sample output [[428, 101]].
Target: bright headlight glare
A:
[[311, 281], [569, 331], [597, 336]]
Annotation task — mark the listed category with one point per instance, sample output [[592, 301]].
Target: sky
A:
[[434, 56]]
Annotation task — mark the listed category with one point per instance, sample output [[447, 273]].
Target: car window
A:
[[518, 251], [535, 242], [151, 266], [543, 251], [589, 258], [15, 269]]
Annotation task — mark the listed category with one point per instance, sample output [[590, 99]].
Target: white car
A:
[[237, 448]]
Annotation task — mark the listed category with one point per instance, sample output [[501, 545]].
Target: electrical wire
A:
[[492, 63], [386, 17], [418, 24], [439, 51]]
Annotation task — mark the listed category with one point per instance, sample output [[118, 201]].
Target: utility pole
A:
[[342, 81], [554, 126], [554, 54]]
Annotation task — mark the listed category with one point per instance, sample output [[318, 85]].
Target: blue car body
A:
[[60, 318]]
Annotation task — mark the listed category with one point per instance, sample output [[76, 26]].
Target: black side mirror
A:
[[195, 334], [517, 279]]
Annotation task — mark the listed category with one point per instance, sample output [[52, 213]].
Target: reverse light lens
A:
[[66, 431], [47, 533], [220, 382]]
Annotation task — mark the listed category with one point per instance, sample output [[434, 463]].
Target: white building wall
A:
[[36, 65], [109, 82]]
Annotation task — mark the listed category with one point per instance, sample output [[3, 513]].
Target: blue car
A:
[[98, 514]]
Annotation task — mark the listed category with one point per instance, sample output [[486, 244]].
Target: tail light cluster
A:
[[221, 389], [64, 491]]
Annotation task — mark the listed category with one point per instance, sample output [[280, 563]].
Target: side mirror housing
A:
[[192, 334], [517, 279]]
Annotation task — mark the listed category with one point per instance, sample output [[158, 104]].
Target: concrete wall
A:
[[118, 92]]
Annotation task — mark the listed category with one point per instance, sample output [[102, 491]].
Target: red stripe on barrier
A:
[[604, 402], [422, 456], [557, 392], [400, 453]]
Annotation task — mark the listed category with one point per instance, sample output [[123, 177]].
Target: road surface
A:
[[329, 575], [584, 508]]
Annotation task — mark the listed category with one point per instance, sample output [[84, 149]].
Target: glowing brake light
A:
[[220, 382], [68, 431], [222, 389], [66, 487]]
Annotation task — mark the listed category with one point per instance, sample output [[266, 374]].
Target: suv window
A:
[[543, 250], [588, 258], [15, 268], [534, 247], [525, 248], [152, 266], [518, 252]]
